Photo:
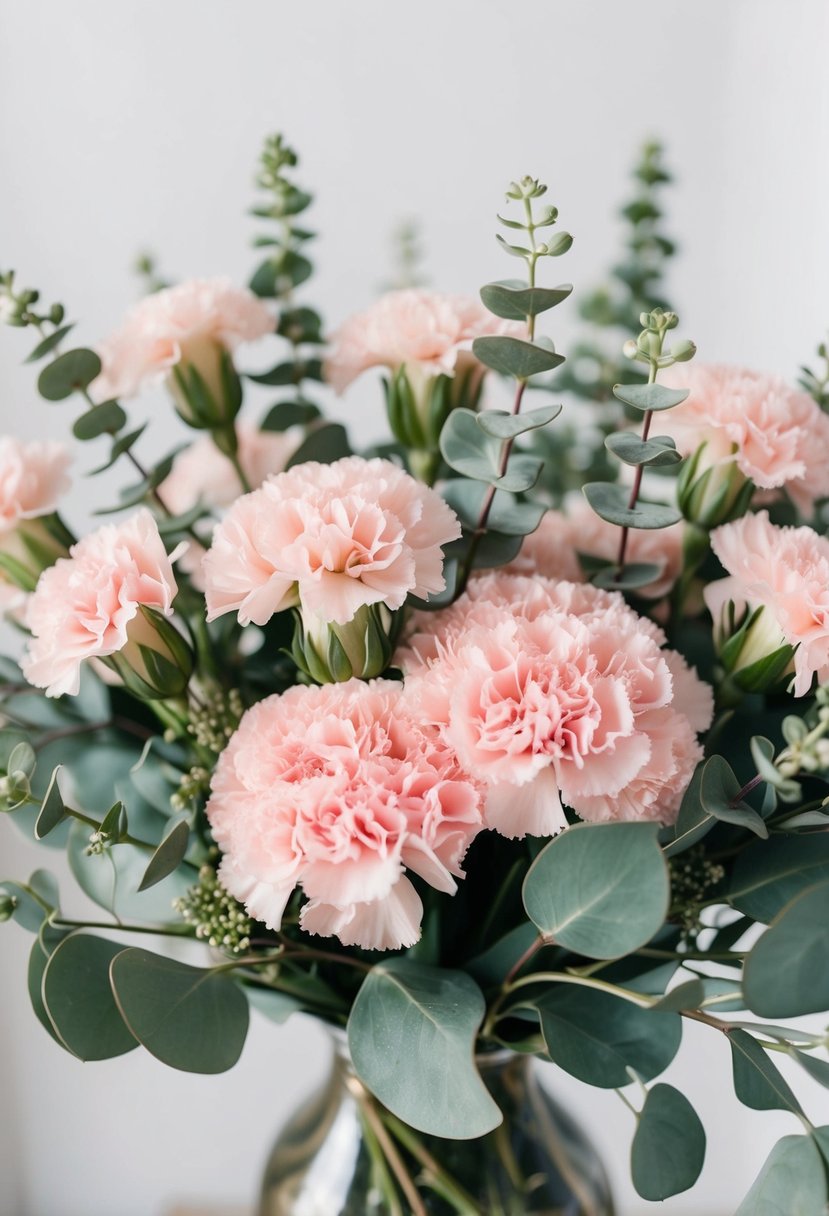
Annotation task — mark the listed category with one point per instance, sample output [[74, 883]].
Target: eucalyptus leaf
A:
[[507, 514], [275, 1006], [719, 790], [817, 1069], [791, 1183], [631, 577], [599, 889], [650, 396], [285, 414], [502, 425], [515, 356], [68, 373], [52, 810], [758, 1083], [103, 419], [325, 444], [48, 343], [168, 856], [162, 1000], [514, 300], [786, 974], [668, 1149], [769, 874], [597, 1037], [611, 503], [658, 452], [78, 998], [411, 1033], [467, 449]]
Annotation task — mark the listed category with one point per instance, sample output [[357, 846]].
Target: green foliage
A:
[[69, 373], [770, 874], [515, 357], [599, 889], [411, 1033], [78, 998], [757, 1082], [597, 1037], [324, 443], [168, 856], [105, 419], [791, 1183], [787, 972], [612, 503], [162, 1000], [669, 1146]]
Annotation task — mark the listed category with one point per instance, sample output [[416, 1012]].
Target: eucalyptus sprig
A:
[[71, 372], [815, 383], [615, 503], [490, 499], [285, 268]]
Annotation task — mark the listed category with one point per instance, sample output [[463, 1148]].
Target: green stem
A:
[[62, 922], [637, 483], [435, 1175], [240, 472]]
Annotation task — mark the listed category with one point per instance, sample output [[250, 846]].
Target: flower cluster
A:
[[341, 791], [558, 694]]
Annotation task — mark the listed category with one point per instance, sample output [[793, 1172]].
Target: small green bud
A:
[[630, 349], [7, 906], [681, 352]]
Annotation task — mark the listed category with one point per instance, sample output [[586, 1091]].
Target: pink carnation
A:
[[784, 571], [338, 790], [778, 436], [553, 693], [87, 606], [182, 323], [331, 537], [552, 550], [202, 473], [32, 479], [421, 329]]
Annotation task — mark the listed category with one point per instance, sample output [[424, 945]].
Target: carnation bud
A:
[[156, 663], [330, 653], [752, 649], [418, 402], [205, 385], [30, 548], [712, 491]]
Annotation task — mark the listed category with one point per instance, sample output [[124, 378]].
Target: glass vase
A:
[[343, 1154]]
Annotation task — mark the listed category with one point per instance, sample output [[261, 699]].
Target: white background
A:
[[138, 124]]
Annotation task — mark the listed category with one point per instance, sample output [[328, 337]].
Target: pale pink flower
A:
[[553, 693], [427, 331], [87, 606], [331, 538], [337, 789], [202, 473], [187, 324], [32, 478], [552, 550], [777, 436], [784, 571]]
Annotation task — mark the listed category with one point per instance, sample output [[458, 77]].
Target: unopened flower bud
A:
[[330, 653], [157, 662], [683, 351], [711, 489], [7, 906], [752, 649], [205, 385]]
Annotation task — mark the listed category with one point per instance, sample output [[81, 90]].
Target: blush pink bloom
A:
[[183, 324], [777, 436], [87, 606], [338, 790], [426, 330], [556, 693], [784, 571], [331, 538], [33, 476], [552, 550], [202, 473]]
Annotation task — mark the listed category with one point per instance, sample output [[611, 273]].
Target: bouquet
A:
[[507, 738]]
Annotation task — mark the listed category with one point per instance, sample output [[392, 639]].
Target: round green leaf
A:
[[467, 449], [514, 300], [659, 451], [771, 873], [668, 1150], [506, 515], [650, 396], [188, 1017], [516, 357], [502, 425], [325, 443], [412, 1035], [637, 574], [103, 419], [68, 374], [610, 502], [599, 889], [791, 1183], [78, 998], [596, 1036], [787, 972], [285, 414]]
